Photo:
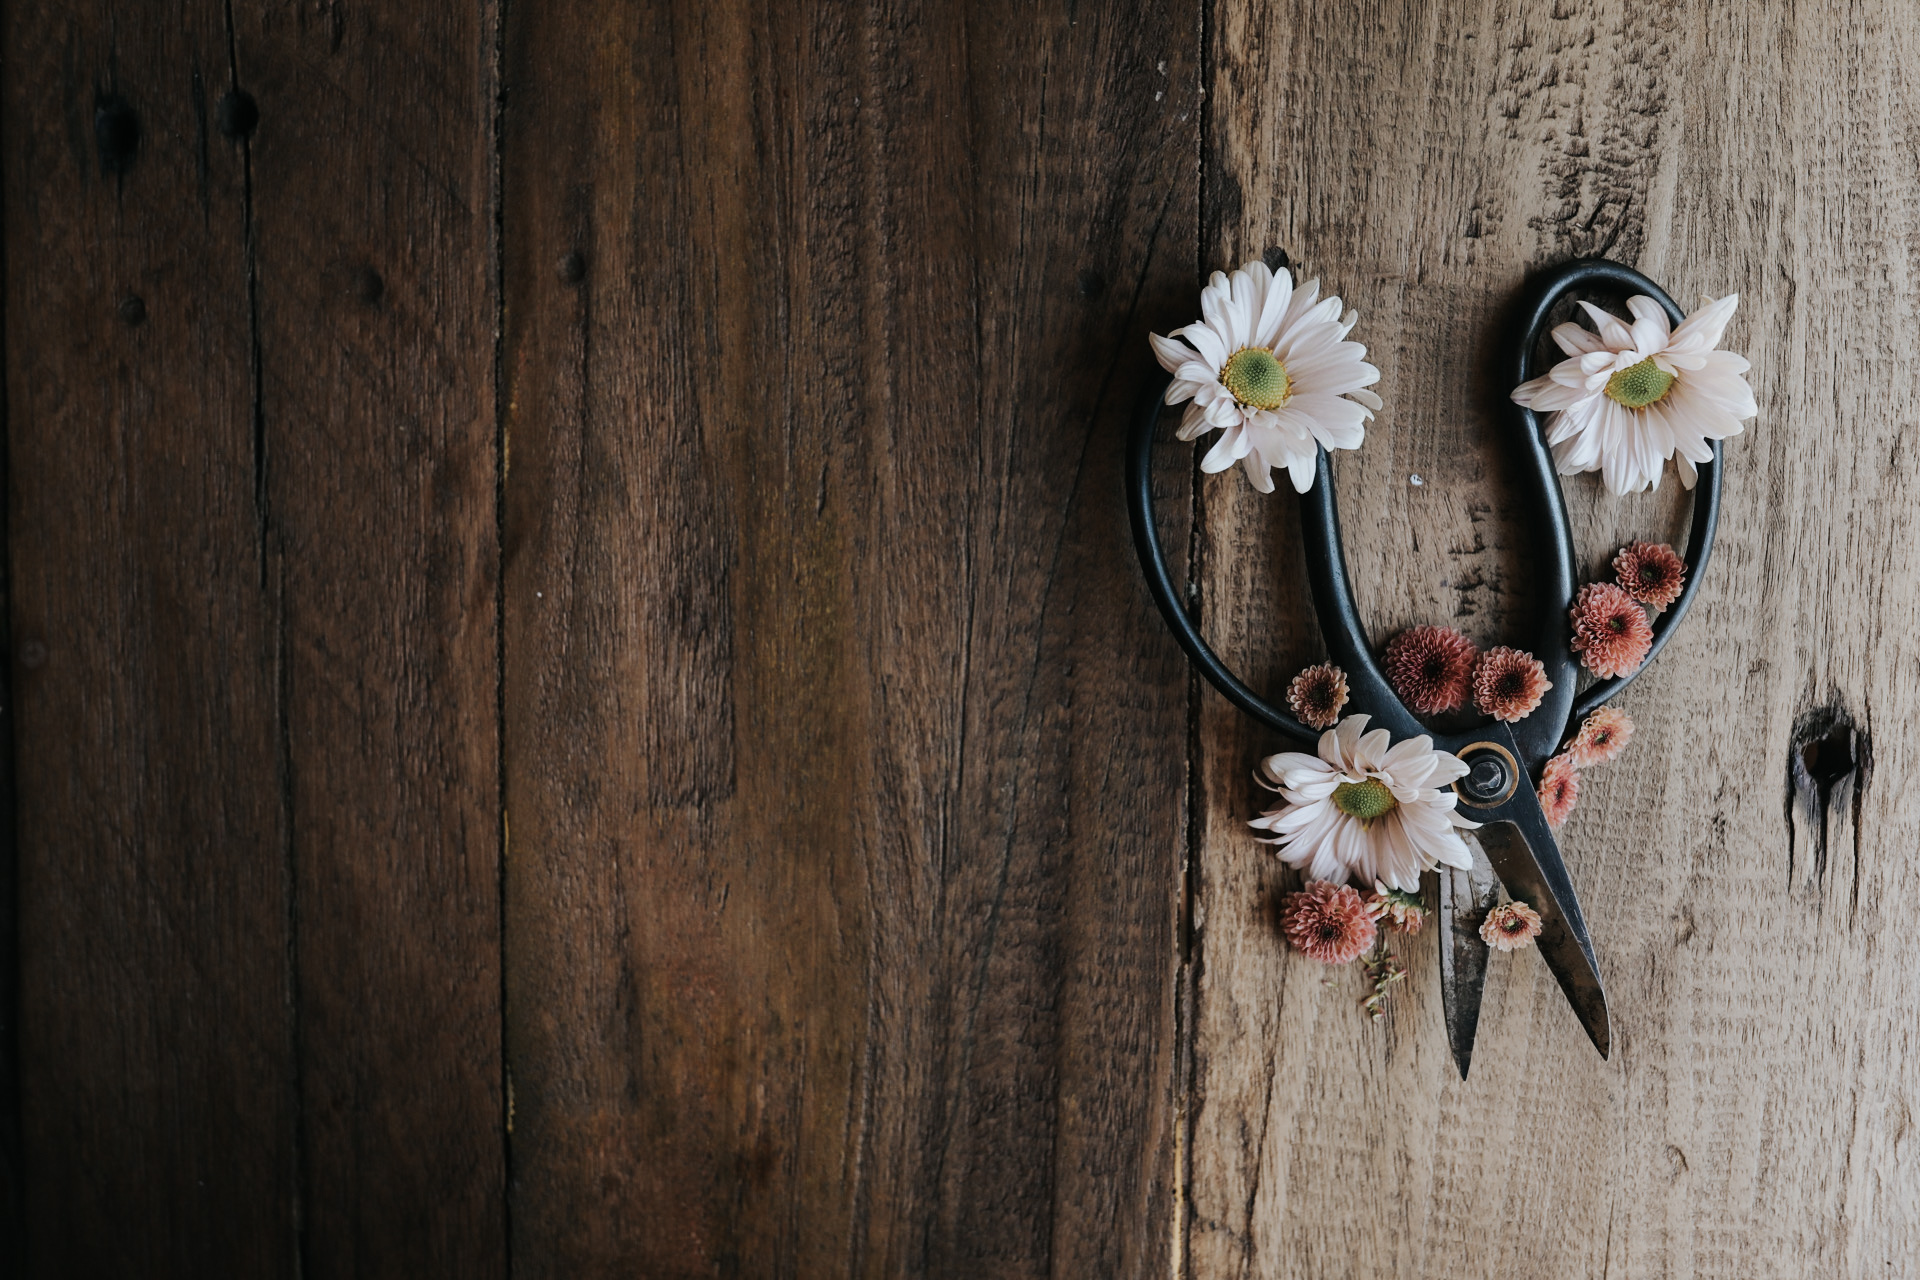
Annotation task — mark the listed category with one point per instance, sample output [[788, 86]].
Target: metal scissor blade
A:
[[1540, 878], [1465, 898]]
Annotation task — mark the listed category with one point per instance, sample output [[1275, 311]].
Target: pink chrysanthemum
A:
[[1510, 926], [1651, 572], [1431, 668], [1559, 789], [1610, 632], [1397, 909], [1509, 683], [1317, 694], [1601, 738], [1328, 922]]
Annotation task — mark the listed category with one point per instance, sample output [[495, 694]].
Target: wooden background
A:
[[580, 704]]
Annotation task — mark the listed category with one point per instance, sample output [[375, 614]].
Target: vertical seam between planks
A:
[[1187, 997], [274, 587], [497, 266], [13, 1219]]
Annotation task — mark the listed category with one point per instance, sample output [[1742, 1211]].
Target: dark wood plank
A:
[[156, 1044], [374, 219], [843, 750]]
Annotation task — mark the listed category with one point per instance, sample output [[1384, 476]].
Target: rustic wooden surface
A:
[[252, 517], [840, 938], [582, 706], [1755, 1119]]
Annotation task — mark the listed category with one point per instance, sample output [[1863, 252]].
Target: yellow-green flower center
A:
[[1364, 800], [1257, 379], [1640, 385]]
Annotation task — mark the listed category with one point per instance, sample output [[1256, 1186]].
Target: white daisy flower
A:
[[1364, 809], [1269, 367], [1628, 399]]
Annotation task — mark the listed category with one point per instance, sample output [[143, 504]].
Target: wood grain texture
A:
[[841, 896], [1756, 1118], [156, 1047], [374, 230], [753, 823], [251, 427]]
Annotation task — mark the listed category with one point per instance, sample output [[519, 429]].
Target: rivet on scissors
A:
[[1492, 775]]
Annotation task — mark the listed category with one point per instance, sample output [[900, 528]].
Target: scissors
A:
[[1514, 842]]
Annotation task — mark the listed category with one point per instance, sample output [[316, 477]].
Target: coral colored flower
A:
[[1366, 806], [1509, 683], [1559, 788], [1630, 398], [1317, 694], [1431, 668], [1610, 632], [1601, 738], [1270, 368], [1651, 572], [1510, 926], [1397, 909], [1328, 922]]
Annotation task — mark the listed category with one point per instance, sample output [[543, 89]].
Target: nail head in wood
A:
[[573, 266], [237, 115], [133, 310], [116, 132]]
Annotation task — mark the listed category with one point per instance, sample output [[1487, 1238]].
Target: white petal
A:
[[1214, 300], [1447, 767], [1575, 340], [1615, 335], [1227, 450], [1650, 325], [1171, 354], [1703, 330], [1222, 411], [1274, 309], [1524, 393], [1207, 342], [1193, 423], [1551, 397], [1243, 307], [1259, 472], [1301, 470]]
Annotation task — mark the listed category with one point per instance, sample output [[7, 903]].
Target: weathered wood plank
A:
[[250, 379], [1752, 1121], [373, 182], [841, 894], [156, 1047]]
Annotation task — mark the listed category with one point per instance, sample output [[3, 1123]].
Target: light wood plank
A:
[[1756, 1115]]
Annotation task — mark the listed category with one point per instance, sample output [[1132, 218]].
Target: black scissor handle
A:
[[1153, 562], [1340, 625], [1539, 734], [1543, 292]]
